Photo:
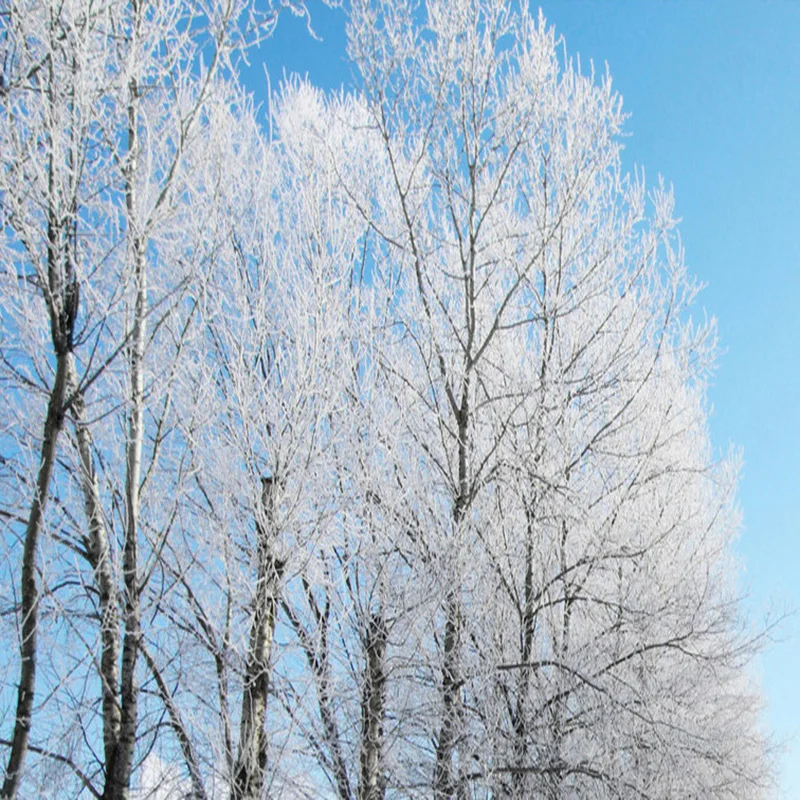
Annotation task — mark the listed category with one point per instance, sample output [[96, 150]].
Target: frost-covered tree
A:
[[552, 385], [362, 456], [56, 173], [279, 352], [103, 222]]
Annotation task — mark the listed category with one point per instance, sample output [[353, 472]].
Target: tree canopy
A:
[[364, 456]]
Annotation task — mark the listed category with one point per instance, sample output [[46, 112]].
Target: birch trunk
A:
[[99, 553], [119, 768], [118, 772]]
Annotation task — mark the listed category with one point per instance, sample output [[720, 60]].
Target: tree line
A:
[[360, 454]]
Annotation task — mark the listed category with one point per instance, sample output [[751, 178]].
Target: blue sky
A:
[[713, 90]]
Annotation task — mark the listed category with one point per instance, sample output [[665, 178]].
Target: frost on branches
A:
[[363, 457]]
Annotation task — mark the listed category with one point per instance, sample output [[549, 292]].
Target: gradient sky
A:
[[713, 90]]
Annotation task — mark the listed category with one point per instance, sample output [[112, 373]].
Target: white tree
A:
[[101, 106], [55, 174], [277, 356], [553, 387], [383, 466]]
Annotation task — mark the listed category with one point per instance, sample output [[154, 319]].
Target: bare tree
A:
[[275, 353]]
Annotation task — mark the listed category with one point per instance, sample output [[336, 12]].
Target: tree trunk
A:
[[99, 552], [251, 762], [120, 766], [524, 677], [556, 765], [373, 709], [29, 591], [445, 783]]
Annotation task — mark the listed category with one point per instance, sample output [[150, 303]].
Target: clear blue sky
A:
[[713, 89]]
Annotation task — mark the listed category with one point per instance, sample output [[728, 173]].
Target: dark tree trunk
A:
[[373, 709], [29, 590], [251, 761]]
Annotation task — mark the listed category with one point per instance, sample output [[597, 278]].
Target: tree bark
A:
[[446, 784], [524, 677], [444, 780], [251, 761], [99, 553], [120, 765], [373, 709], [556, 757], [29, 590]]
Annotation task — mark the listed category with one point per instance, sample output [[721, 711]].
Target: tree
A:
[[270, 370], [52, 175], [96, 198], [543, 309]]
